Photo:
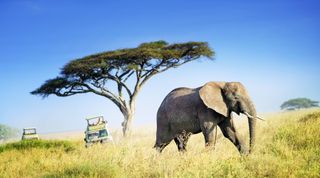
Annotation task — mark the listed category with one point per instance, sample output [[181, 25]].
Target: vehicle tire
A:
[[88, 145]]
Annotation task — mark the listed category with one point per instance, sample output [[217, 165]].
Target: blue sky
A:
[[272, 47]]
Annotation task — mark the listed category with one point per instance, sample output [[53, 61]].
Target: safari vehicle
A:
[[30, 134], [97, 131]]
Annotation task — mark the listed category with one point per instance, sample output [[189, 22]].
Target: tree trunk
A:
[[126, 124]]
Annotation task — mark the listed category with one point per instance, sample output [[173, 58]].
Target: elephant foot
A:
[[244, 151], [182, 150], [160, 147], [210, 146]]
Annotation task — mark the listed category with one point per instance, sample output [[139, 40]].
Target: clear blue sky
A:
[[272, 47]]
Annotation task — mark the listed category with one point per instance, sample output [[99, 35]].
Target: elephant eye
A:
[[236, 97]]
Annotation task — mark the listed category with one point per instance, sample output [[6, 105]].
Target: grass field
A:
[[288, 145]]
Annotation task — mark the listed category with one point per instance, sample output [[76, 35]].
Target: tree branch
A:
[[137, 86], [132, 72], [175, 65], [118, 81], [153, 69], [124, 73], [104, 92]]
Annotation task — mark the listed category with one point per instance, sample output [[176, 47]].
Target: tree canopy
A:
[[94, 73], [299, 103], [7, 132]]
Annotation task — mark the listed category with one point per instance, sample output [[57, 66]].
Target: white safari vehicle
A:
[[30, 134], [97, 131]]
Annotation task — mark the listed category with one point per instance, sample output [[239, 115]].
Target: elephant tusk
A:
[[248, 115], [251, 117], [260, 118]]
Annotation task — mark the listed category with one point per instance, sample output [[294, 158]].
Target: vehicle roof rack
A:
[[29, 128], [97, 117]]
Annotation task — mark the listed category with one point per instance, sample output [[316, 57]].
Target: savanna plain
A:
[[288, 145]]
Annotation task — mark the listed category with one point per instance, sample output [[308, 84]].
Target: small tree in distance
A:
[[7, 132], [108, 73], [299, 103]]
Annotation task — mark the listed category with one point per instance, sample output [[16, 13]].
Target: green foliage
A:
[[90, 72], [297, 144], [103, 169], [303, 135], [7, 132], [299, 103], [310, 118], [43, 144], [53, 86]]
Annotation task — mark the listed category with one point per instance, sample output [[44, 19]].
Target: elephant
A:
[[186, 111]]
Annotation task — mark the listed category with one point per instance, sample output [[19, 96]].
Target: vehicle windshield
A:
[[29, 131], [93, 135], [103, 133]]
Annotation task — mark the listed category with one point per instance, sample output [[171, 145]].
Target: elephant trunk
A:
[[252, 126]]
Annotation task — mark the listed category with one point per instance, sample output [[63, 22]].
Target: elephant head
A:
[[227, 97]]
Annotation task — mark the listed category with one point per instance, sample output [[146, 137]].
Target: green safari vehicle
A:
[[30, 134], [96, 131]]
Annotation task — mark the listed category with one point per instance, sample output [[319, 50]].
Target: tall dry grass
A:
[[287, 146]]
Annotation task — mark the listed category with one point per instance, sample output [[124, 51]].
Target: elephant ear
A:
[[212, 96]]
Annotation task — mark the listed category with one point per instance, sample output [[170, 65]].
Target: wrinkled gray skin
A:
[[187, 111]]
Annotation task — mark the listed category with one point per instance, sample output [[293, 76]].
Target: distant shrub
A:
[[299, 103], [310, 117], [301, 135], [88, 170], [43, 144], [7, 132], [297, 145]]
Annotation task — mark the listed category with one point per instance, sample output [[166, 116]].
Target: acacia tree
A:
[[299, 103], [110, 74]]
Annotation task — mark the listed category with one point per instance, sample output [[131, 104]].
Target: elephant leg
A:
[[182, 140], [209, 130], [179, 144], [229, 131], [208, 120], [163, 138]]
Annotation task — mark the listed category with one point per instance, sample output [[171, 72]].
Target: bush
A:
[[7, 132], [42, 144], [297, 144], [88, 170]]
